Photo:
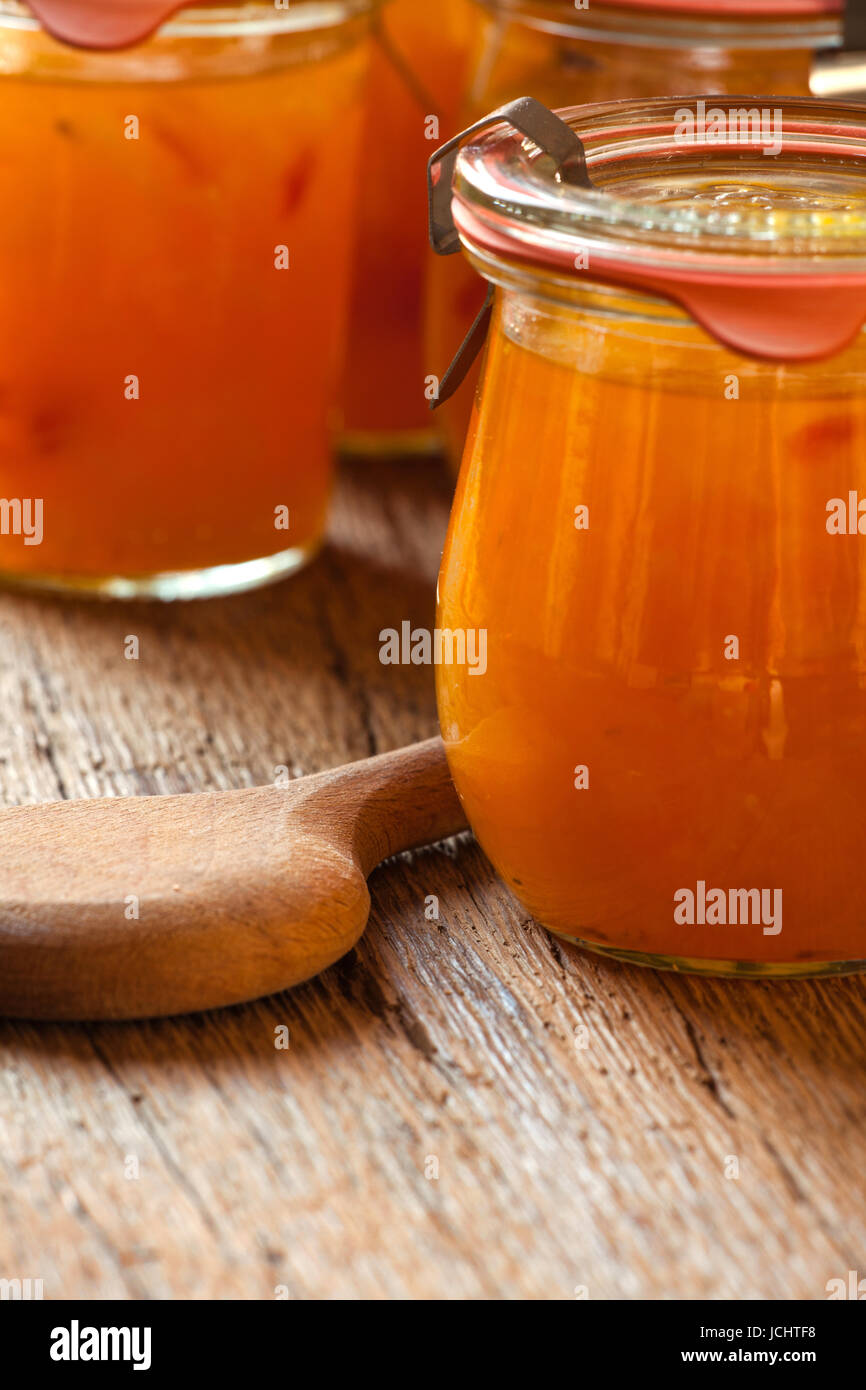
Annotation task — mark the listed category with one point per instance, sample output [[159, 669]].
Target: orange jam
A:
[[562, 55], [417, 75], [664, 541], [175, 278]]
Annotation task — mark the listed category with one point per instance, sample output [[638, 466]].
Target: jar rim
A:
[[785, 8], [176, 19], [745, 24]]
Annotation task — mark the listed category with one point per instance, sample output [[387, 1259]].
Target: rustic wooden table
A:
[[466, 1109]]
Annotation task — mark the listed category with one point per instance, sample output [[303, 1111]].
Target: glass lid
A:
[[746, 8], [740, 198], [112, 24], [743, 175], [746, 24]]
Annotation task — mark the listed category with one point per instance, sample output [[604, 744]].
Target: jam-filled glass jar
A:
[[660, 531], [174, 256], [608, 50], [421, 56]]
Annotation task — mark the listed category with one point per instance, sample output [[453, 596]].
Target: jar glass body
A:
[[674, 699], [548, 51], [420, 60], [175, 271]]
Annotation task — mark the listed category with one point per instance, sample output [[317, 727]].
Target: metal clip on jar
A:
[[177, 185], [660, 527]]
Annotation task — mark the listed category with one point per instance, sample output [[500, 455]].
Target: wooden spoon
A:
[[141, 906]]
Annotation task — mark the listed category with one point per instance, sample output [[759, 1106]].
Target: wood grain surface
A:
[[466, 1108]]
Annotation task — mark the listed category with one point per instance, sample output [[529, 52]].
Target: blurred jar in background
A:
[[174, 274], [562, 55], [421, 58]]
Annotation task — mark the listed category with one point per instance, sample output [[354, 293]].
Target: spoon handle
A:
[[392, 802]]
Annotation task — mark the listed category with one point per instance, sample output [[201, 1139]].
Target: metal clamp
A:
[[841, 72], [533, 120], [550, 134]]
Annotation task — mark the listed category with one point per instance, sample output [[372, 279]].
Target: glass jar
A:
[[659, 529], [175, 279], [418, 72], [561, 54]]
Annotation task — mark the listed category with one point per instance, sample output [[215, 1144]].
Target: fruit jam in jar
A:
[[563, 54], [175, 275], [660, 527]]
